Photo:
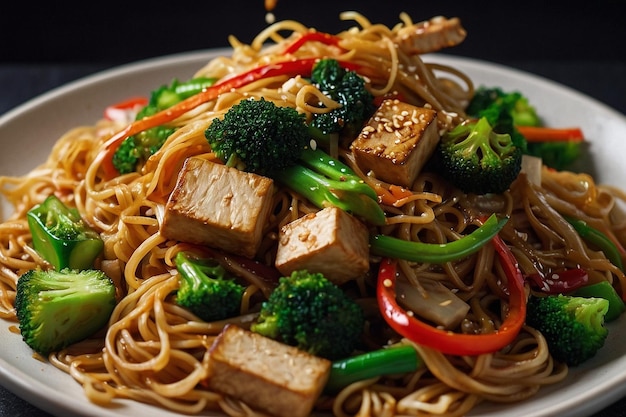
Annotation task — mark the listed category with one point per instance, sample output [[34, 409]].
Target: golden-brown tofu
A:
[[331, 242], [265, 374], [396, 142], [218, 206]]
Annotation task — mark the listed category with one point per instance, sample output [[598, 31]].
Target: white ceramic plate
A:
[[28, 132]]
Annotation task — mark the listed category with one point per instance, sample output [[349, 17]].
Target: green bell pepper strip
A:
[[605, 290], [386, 361], [393, 247], [599, 239], [61, 237], [445, 341]]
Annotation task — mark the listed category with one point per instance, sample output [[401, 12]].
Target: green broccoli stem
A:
[[388, 361], [396, 248], [317, 134], [336, 170], [325, 181], [192, 271]]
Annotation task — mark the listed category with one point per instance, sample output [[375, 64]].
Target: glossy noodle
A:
[[156, 352]]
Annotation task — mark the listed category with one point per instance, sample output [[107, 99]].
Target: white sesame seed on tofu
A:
[[396, 142], [331, 242]]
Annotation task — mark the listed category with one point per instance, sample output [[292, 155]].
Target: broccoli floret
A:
[[506, 110], [61, 237], [135, 150], [487, 100], [478, 160], [308, 311], [259, 136], [206, 289], [58, 308], [573, 326], [347, 88], [263, 137], [559, 155]]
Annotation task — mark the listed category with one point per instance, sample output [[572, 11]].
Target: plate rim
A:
[[48, 399]]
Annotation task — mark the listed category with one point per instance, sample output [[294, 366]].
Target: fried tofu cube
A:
[[330, 241], [396, 142], [218, 206], [278, 379]]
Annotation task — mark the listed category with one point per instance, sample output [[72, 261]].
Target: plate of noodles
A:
[[56, 143]]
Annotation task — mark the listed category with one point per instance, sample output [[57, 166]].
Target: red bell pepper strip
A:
[[560, 282], [551, 134], [119, 110], [393, 195], [446, 341], [292, 68], [325, 38]]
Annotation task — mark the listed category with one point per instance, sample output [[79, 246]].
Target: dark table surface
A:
[[602, 80]]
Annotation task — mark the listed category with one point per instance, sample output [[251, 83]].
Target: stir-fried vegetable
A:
[[312, 36], [411, 327], [310, 312], [301, 67], [599, 239], [558, 147], [393, 247], [604, 289], [477, 159], [259, 136], [136, 149], [573, 326], [61, 236], [559, 282], [206, 288], [58, 308], [386, 361]]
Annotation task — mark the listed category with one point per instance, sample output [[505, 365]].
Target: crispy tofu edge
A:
[[258, 390]]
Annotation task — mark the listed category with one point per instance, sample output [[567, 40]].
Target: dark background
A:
[[580, 45], [113, 33], [46, 44]]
